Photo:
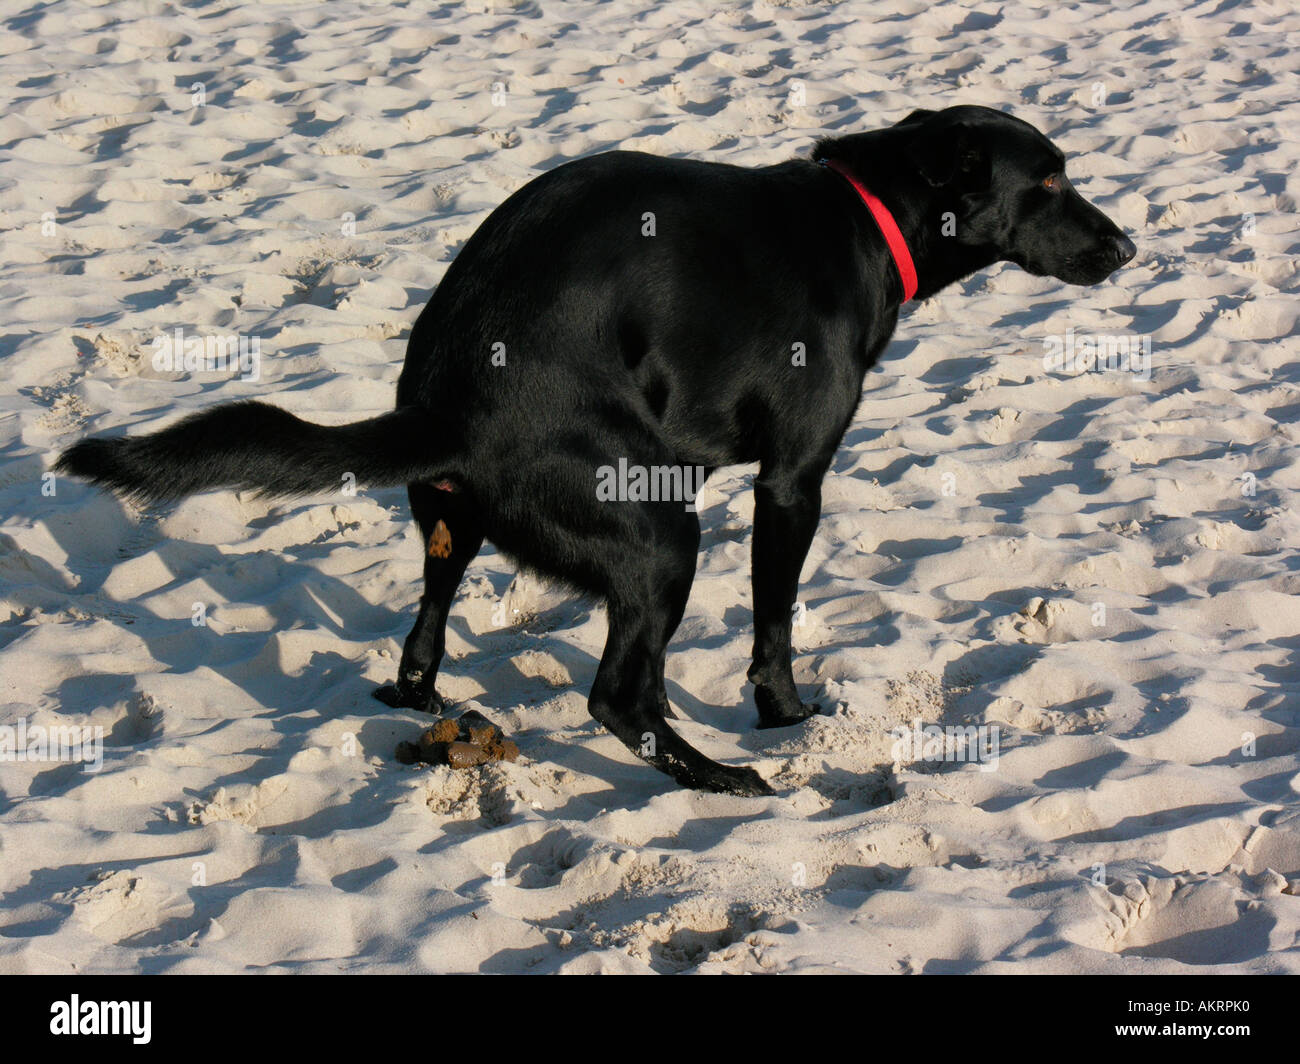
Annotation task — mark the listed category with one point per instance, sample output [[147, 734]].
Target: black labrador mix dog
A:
[[673, 316]]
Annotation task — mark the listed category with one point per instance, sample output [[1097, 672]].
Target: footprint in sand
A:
[[1195, 921], [123, 906]]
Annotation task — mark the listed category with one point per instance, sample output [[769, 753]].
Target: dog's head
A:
[[1004, 186]]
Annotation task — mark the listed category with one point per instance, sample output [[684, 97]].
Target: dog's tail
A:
[[253, 446]]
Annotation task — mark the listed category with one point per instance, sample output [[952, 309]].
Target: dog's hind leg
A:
[[624, 698], [553, 511], [646, 599], [452, 535]]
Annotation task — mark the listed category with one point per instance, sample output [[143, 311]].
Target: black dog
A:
[[671, 315]]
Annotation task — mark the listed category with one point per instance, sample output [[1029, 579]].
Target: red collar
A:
[[888, 228]]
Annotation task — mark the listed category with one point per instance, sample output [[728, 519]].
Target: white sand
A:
[[249, 814]]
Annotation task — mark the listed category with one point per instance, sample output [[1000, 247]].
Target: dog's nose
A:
[[1123, 249]]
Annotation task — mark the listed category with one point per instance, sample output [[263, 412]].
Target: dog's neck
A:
[[927, 217]]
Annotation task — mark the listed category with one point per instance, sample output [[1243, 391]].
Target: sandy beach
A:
[[1096, 567]]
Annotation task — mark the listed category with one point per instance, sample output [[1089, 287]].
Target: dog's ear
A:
[[951, 155]]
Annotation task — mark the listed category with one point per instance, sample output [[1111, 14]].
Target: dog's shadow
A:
[[97, 535], [288, 691], [291, 594]]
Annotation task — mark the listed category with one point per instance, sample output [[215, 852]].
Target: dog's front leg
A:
[[787, 506]]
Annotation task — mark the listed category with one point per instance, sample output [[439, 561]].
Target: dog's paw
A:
[[741, 781], [786, 720], [399, 696], [779, 706]]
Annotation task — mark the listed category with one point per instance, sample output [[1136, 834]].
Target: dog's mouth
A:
[[1100, 257], [1081, 269], [1086, 271]]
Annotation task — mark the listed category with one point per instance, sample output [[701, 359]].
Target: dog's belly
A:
[[725, 392], [728, 417]]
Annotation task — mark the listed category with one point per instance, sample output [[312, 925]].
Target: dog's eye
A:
[[1050, 182]]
